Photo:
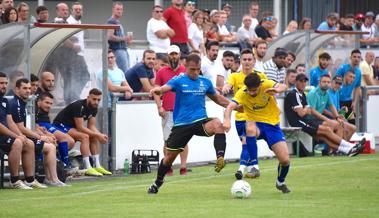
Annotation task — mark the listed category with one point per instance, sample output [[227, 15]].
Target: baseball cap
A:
[[370, 14], [173, 48], [227, 5], [213, 12], [337, 79], [280, 52], [301, 77], [332, 16]]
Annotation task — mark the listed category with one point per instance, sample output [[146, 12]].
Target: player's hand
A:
[[239, 108], [271, 91], [225, 89], [22, 138], [162, 112], [226, 125], [103, 138], [155, 91]]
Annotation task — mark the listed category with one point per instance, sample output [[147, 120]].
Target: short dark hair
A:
[[193, 58], [246, 51], [299, 65], [3, 75], [290, 71], [41, 8], [292, 54], [355, 51], [147, 51], [210, 44], [33, 78], [95, 91], [260, 42], [228, 54], [349, 16], [110, 51], [44, 95], [163, 57], [252, 80], [324, 55], [325, 75], [19, 82]]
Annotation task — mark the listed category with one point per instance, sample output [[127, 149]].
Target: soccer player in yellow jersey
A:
[[249, 155], [262, 119]]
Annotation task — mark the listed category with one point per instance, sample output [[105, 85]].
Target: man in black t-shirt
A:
[[262, 30], [71, 120], [298, 114], [43, 144]]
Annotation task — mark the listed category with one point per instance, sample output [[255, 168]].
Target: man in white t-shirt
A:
[[208, 62], [368, 26], [158, 33], [224, 69], [245, 34], [260, 52], [225, 35], [253, 12]]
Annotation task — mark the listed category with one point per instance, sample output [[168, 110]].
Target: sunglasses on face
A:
[[158, 11]]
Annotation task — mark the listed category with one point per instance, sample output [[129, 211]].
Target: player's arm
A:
[[227, 114], [226, 88], [159, 90], [12, 125], [219, 99], [124, 87], [220, 82], [79, 125], [5, 131], [319, 116], [27, 132], [278, 88], [302, 111], [158, 102]]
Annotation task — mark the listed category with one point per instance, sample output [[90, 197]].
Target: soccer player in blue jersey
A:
[[190, 117]]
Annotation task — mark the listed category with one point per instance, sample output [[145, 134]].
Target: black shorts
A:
[[309, 126], [180, 135], [38, 146], [6, 143]]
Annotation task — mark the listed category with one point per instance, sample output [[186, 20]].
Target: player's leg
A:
[[95, 151], [183, 161], [349, 130], [281, 151], [30, 150], [252, 133], [244, 157], [14, 149], [65, 143], [214, 127]]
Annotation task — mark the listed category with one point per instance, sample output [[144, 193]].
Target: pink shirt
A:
[[163, 76]]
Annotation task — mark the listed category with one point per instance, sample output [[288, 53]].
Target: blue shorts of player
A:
[[272, 134], [62, 127], [50, 127], [241, 128]]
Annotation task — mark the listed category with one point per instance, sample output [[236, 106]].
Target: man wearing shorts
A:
[[190, 117]]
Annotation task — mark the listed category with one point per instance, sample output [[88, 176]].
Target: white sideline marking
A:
[[129, 186]]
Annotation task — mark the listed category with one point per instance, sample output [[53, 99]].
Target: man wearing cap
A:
[[174, 16], [166, 105], [275, 67], [368, 26], [321, 69], [300, 114], [329, 24], [228, 10], [334, 92]]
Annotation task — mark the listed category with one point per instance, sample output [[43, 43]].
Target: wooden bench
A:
[[293, 135]]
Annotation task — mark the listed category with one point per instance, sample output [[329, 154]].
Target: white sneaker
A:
[[56, 184], [35, 184], [19, 185]]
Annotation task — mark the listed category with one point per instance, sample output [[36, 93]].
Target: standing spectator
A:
[[62, 12], [272, 29], [291, 57], [10, 16], [196, 33], [208, 62], [117, 39], [225, 70], [47, 83], [42, 14], [292, 27], [246, 35], [80, 75], [290, 79], [141, 77], [158, 33], [348, 23], [329, 24], [350, 92], [359, 19], [254, 11], [305, 23], [175, 19], [300, 68], [376, 25], [275, 67], [166, 105], [263, 29], [260, 52], [189, 8], [160, 61], [5, 4], [225, 35], [23, 13], [228, 10], [321, 69], [368, 26], [367, 70]]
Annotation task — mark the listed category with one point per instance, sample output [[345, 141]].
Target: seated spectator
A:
[[300, 68], [334, 93], [319, 100], [33, 84], [141, 77], [236, 67], [42, 14], [208, 63], [305, 24], [260, 53], [212, 34], [275, 67], [292, 27], [376, 69], [10, 16], [158, 33], [368, 26], [71, 120], [263, 29], [321, 69], [225, 35], [274, 34], [23, 13], [116, 79], [196, 33], [246, 34], [298, 114], [43, 144], [329, 24], [367, 70], [348, 23], [225, 70], [214, 16], [290, 79], [44, 127], [160, 61], [291, 57]]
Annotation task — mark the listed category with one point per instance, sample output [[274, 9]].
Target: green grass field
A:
[[321, 187]]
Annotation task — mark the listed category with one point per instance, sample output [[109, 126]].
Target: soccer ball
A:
[[241, 189]]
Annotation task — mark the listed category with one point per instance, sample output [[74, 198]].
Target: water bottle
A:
[[126, 167]]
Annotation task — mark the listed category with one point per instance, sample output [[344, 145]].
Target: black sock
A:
[[220, 144], [29, 179], [162, 170], [14, 179]]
